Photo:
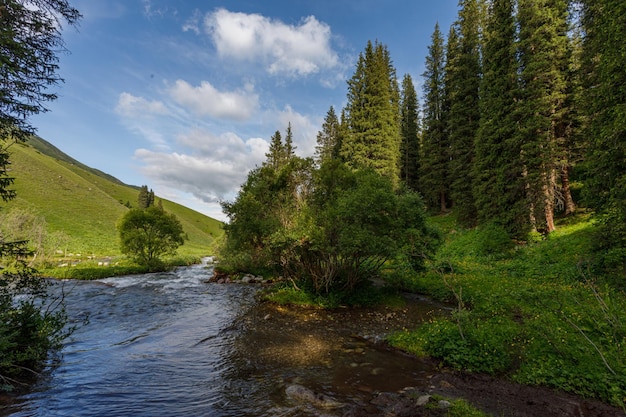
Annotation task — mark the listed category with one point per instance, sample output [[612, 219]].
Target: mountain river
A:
[[170, 344]]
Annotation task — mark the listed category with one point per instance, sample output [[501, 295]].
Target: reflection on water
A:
[[170, 344]]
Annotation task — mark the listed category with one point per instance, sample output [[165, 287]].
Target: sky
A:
[[184, 95]]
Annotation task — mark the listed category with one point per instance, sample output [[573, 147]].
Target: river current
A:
[[170, 344]]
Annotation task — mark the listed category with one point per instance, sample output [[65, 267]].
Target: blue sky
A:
[[183, 95]]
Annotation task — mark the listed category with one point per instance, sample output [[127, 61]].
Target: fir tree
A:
[[328, 138], [276, 152], [604, 65], [463, 80], [373, 137], [435, 153], [409, 127], [543, 56], [290, 149], [499, 188]]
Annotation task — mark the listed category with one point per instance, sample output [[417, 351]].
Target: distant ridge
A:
[[49, 149], [84, 204]]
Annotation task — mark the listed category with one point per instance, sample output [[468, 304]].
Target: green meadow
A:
[[85, 204]]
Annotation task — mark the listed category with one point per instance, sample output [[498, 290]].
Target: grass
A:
[[533, 314], [91, 269], [85, 204]]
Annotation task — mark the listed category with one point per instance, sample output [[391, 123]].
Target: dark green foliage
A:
[[493, 240], [328, 139], [356, 223], [409, 127], [145, 198], [463, 72], [147, 234], [434, 155], [373, 135], [605, 109], [499, 186], [6, 180], [544, 62], [328, 229], [30, 38]]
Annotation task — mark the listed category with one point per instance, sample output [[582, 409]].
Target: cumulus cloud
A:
[[129, 105], [286, 49], [214, 167], [206, 100]]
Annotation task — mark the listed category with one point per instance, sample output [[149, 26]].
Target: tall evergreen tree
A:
[[145, 198], [463, 78], [290, 149], [409, 127], [499, 187], [605, 104], [543, 55], [328, 138], [276, 153], [373, 137], [435, 153]]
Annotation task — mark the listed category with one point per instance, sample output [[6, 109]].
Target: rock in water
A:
[[302, 394]]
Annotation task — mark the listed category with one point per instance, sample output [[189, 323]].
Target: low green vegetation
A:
[[535, 313]]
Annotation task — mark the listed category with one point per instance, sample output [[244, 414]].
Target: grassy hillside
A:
[[85, 203]]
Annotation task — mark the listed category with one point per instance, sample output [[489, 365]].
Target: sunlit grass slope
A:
[[86, 204]]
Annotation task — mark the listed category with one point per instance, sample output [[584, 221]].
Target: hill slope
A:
[[85, 203]]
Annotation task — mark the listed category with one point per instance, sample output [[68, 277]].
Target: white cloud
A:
[[286, 49], [132, 106], [303, 128], [206, 100], [214, 168]]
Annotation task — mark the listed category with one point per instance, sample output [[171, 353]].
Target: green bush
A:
[[493, 240]]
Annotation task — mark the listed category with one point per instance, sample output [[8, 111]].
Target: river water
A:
[[169, 344]]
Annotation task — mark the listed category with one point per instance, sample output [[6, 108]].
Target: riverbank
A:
[[534, 314], [345, 343]]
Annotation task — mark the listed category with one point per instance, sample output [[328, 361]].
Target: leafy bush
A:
[[493, 240], [330, 229], [31, 325]]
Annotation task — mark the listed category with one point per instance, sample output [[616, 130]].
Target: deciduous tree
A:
[[148, 234]]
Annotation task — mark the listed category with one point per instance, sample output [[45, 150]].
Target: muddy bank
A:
[[341, 354]]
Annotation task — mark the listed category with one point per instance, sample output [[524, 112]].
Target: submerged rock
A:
[[302, 394]]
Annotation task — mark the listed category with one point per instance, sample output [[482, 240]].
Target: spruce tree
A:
[[276, 153], [543, 55], [373, 137], [328, 138], [435, 152], [143, 199], [499, 187], [604, 66], [463, 80], [290, 149], [409, 127]]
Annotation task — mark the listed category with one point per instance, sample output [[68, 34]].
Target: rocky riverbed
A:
[[338, 365]]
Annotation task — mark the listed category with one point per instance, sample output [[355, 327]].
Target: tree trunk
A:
[[570, 205], [442, 202], [549, 195]]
